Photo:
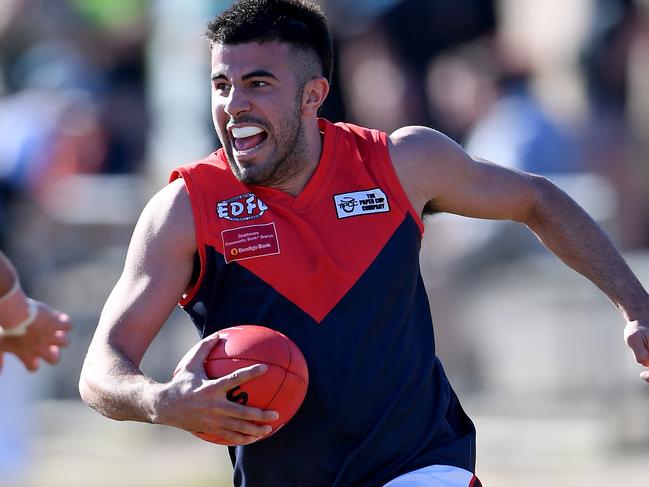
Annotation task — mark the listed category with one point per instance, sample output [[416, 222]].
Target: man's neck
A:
[[315, 141]]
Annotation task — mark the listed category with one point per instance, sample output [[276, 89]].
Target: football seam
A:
[[258, 361], [279, 388], [281, 384]]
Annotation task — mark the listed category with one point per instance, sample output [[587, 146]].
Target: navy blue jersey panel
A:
[[349, 432]]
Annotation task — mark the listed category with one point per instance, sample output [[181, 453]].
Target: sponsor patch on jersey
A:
[[249, 242], [241, 208], [361, 203]]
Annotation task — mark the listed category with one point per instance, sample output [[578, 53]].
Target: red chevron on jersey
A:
[[311, 248]]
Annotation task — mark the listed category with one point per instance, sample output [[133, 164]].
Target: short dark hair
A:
[[300, 23]]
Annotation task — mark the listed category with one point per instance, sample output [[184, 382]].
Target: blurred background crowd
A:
[[99, 99]]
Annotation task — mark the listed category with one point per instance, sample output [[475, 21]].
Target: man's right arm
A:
[[29, 329], [157, 272]]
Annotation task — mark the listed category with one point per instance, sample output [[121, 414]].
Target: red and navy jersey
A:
[[336, 269]]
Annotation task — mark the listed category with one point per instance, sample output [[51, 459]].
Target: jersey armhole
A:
[[395, 184], [197, 211]]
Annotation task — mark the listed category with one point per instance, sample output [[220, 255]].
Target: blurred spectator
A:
[[74, 101], [605, 54], [385, 48], [612, 149], [118, 32], [513, 129], [51, 125]]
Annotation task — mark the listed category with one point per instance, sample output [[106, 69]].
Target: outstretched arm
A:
[[453, 182], [29, 329], [157, 271]]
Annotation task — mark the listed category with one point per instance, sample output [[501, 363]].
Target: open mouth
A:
[[247, 138]]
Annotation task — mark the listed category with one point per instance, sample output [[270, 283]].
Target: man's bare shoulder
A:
[[422, 145], [173, 198], [167, 219], [423, 159]]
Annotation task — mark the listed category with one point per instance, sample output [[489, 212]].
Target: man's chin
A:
[[248, 175]]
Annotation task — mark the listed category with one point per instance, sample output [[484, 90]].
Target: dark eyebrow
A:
[[260, 73]]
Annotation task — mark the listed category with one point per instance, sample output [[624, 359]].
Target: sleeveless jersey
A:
[[336, 269]]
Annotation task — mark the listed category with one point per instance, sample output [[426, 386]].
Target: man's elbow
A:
[[542, 193], [87, 389]]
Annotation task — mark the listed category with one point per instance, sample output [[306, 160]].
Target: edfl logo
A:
[[241, 208]]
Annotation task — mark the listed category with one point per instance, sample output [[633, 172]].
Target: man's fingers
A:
[[205, 346], [52, 355], [236, 410], [636, 335], [234, 438], [63, 321], [641, 356], [247, 413], [57, 319], [640, 349], [61, 338], [242, 375], [31, 363], [194, 359], [242, 432], [637, 338], [247, 427]]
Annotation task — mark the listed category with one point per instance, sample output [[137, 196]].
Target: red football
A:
[[283, 386]]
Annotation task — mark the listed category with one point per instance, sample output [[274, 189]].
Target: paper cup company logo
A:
[[241, 208], [347, 204], [361, 203]]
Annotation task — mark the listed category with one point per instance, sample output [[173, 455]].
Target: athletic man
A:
[[29, 329], [314, 229]]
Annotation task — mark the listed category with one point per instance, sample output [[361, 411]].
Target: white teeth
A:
[[248, 131]]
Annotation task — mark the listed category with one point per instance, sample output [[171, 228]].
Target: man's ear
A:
[[315, 93]]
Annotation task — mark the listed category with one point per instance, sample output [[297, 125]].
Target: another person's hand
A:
[[195, 403], [43, 339], [636, 335]]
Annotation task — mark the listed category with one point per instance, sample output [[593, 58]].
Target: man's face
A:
[[256, 109]]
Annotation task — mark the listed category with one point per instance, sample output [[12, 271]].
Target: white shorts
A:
[[436, 476]]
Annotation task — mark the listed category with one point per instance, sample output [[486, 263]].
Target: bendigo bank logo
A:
[[250, 241], [241, 208], [361, 203]]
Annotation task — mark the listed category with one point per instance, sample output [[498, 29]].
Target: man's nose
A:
[[237, 102]]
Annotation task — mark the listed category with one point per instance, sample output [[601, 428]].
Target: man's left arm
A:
[[437, 172], [570, 233]]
